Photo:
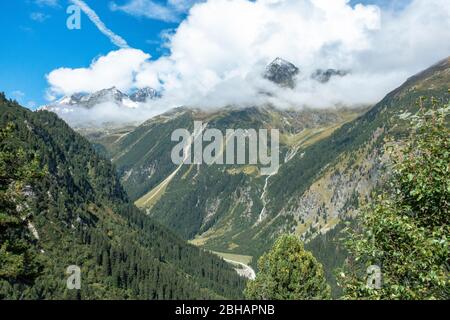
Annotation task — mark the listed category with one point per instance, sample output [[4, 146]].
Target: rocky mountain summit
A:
[[111, 95], [144, 94], [282, 72], [323, 76]]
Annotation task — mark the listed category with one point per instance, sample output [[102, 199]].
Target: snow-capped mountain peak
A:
[[111, 95], [144, 94], [282, 72]]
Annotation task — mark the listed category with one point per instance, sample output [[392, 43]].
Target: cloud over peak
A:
[[219, 52], [116, 69]]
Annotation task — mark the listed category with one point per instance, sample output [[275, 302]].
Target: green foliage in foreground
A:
[[18, 260], [288, 272], [406, 231]]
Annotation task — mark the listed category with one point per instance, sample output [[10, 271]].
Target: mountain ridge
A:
[[82, 216], [330, 169], [70, 104]]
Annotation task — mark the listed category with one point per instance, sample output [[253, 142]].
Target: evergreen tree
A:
[[406, 231], [18, 258], [288, 272]]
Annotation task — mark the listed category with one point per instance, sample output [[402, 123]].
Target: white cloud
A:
[[20, 96], [31, 105], [17, 94], [183, 5], [39, 16], [218, 53], [118, 68], [170, 12], [49, 3], [116, 39], [109, 113], [146, 8]]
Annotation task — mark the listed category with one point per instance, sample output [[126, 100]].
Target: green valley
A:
[[331, 162]]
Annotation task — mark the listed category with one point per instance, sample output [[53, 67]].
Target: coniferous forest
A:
[[84, 218]]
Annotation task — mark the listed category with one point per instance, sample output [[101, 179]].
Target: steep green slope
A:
[[357, 147], [218, 201], [143, 157], [330, 163], [348, 166], [82, 216]]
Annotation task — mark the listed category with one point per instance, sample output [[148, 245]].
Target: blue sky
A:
[[31, 48], [35, 40]]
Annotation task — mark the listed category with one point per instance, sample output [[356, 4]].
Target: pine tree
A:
[[288, 272], [18, 258]]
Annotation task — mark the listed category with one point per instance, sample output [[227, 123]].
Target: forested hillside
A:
[[80, 215], [330, 165], [219, 203]]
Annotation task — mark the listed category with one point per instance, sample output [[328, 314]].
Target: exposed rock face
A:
[[111, 95], [339, 190], [80, 110], [142, 95], [282, 73], [89, 100], [323, 76]]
